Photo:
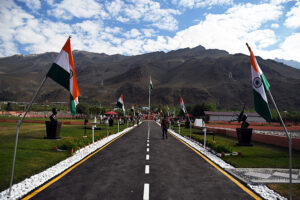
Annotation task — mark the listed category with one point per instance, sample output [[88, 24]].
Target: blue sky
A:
[[132, 27]]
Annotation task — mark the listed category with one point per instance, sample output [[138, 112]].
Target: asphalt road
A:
[[119, 172]]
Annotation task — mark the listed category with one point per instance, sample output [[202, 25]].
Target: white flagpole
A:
[[149, 113], [18, 130], [190, 126], [290, 144]]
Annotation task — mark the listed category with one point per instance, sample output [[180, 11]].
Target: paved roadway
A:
[[119, 172]]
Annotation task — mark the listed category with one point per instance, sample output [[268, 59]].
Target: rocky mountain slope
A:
[[197, 74]]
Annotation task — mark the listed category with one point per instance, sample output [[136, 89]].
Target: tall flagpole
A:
[[18, 130], [290, 144]]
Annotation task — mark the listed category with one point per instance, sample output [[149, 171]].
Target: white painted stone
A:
[[285, 175]]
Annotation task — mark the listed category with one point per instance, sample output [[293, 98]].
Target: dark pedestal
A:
[[244, 136], [53, 130]]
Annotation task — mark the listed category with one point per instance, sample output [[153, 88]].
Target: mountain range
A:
[[197, 74]]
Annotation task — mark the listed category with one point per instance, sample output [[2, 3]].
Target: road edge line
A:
[[53, 180], [224, 172]]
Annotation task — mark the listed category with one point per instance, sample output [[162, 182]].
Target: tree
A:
[[82, 109], [94, 110]]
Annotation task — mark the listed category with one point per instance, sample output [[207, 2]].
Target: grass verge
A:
[[34, 153]]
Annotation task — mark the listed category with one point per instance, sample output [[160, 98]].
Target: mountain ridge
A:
[[198, 74]]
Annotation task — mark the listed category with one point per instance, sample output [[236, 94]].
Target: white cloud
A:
[[32, 4], [147, 11], [274, 25], [123, 19], [291, 46], [149, 32], [276, 2], [293, 17], [114, 7], [202, 3], [12, 17], [230, 30], [67, 9], [133, 33]]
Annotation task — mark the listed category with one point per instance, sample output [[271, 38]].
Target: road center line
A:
[[146, 191], [147, 169], [147, 149], [147, 157], [148, 145], [148, 141]]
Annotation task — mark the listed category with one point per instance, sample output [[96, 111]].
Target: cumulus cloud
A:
[[293, 17], [133, 33], [202, 3], [67, 9], [147, 11], [274, 25], [230, 30], [12, 17]]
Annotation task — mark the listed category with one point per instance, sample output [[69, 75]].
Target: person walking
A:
[[164, 127]]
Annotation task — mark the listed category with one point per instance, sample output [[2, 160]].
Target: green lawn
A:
[[284, 189], [257, 156], [35, 153]]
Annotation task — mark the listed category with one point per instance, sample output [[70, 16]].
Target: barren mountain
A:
[[197, 74]]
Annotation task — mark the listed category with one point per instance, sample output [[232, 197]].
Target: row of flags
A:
[[63, 72]]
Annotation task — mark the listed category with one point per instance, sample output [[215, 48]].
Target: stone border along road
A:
[[35, 181], [260, 189], [162, 170], [118, 171]]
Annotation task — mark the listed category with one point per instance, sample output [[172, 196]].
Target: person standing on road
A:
[[164, 127]]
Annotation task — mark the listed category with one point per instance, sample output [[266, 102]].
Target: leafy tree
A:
[[95, 110], [82, 109]]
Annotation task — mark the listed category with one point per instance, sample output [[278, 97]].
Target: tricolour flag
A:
[[120, 103], [182, 107], [150, 85], [63, 72], [133, 110], [167, 110], [259, 85]]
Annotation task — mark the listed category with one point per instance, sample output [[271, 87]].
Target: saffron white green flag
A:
[[62, 71], [150, 85], [120, 103], [259, 84], [182, 107]]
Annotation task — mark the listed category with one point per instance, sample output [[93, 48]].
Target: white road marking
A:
[[146, 191], [147, 149], [147, 157], [148, 141], [148, 145], [147, 169]]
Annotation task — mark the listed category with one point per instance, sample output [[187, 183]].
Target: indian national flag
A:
[[182, 107], [167, 110], [63, 72], [259, 85], [132, 109], [120, 103], [150, 85]]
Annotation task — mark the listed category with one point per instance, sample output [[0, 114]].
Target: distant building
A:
[[231, 116]]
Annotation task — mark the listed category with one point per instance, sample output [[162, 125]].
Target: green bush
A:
[[218, 147]]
